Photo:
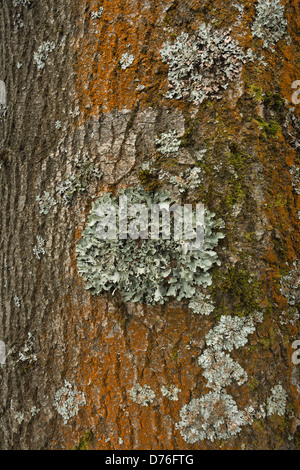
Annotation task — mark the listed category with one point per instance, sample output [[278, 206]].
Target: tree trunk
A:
[[86, 92]]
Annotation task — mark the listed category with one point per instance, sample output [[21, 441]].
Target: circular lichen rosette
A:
[[143, 269]]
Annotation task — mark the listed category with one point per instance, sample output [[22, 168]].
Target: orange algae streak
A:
[[118, 56]]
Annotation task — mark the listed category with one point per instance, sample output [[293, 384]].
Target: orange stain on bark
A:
[[125, 27]]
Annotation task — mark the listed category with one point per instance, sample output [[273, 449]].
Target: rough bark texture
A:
[[64, 342]]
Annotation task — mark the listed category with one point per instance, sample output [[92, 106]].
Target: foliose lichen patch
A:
[[216, 415], [230, 333], [203, 65], [276, 402], [213, 416], [270, 24], [168, 142], [220, 369], [144, 270], [201, 304]]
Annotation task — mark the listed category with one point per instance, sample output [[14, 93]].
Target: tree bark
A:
[[62, 342]]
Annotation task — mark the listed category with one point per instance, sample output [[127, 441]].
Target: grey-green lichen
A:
[[18, 23], [46, 202], [295, 174], [171, 392], [85, 172], [290, 285], [216, 414], [203, 65], [41, 55], [168, 142], [18, 415], [34, 411], [142, 395], [144, 270], [68, 400], [276, 402], [126, 60], [189, 180], [27, 354], [230, 333], [213, 416], [220, 369], [201, 304], [289, 316], [270, 24], [17, 301]]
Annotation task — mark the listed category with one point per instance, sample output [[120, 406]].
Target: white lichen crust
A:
[[270, 24], [213, 416], [39, 249], [142, 395], [23, 3], [216, 415], [168, 142], [46, 202], [276, 402], [85, 172], [290, 285], [170, 392], [126, 60], [203, 65], [68, 400], [220, 369], [41, 55], [230, 333]]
